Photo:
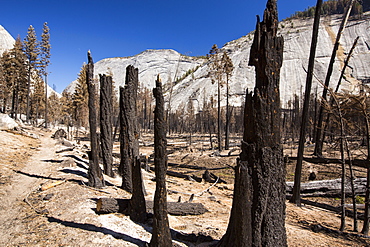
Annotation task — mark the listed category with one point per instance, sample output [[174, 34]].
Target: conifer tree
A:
[[44, 62], [80, 99], [216, 77], [55, 108], [5, 87], [67, 108], [14, 71], [38, 96], [31, 50]]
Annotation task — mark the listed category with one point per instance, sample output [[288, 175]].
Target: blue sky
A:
[[120, 28]]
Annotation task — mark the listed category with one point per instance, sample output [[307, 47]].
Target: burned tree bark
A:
[[319, 127], [125, 168], [296, 198], [161, 235], [137, 202], [95, 174], [106, 123], [258, 211], [129, 146]]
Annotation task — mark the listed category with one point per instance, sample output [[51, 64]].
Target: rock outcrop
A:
[[6, 40], [174, 67]]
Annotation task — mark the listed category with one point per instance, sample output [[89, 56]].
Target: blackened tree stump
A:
[[258, 210], [161, 235], [129, 145], [106, 123], [95, 174]]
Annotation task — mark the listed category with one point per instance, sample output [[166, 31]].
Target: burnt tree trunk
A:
[[106, 122], [366, 226], [125, 168], [258, 211], [319, 127], [228, 116], [219, 123], [161, 235], [296, 198], [130, 159], [95, 174], [137, 202]]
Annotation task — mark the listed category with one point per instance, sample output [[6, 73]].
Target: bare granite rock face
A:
[[297, 35], [6, 40]]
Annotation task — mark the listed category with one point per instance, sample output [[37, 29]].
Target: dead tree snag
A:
[[125, 168], [95, 174], [258, 211], [106, 123], [130, 158], [161, 235], [302, 137]]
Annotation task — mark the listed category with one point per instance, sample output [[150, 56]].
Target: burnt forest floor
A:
[[64, 214]]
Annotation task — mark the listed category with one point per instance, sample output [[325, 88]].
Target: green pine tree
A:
[[44, 62], [15, 75], [31, 49], [38, 96], [80, 100]]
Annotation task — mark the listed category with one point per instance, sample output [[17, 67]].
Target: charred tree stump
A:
[[111, 205], [95, 174], [106, 123], [161, 235], [125, 168], [137, 202], [130, 159], [258, 211]]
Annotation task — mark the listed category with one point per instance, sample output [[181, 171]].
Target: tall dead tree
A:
[[228, 67], [124, 168], [258, 210], [296, 198], [319, 127], [129, 146], [106, 123], [161, 235], [95, 174]]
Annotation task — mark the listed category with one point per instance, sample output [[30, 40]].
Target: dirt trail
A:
[[22, 184]]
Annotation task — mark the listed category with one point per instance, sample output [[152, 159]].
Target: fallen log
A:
[[325, 206], [194, 167], [320, 160], [64, 150], [181, 175], [320, 228], [181, 208], [328, 188], [51, 185], [112, 205]]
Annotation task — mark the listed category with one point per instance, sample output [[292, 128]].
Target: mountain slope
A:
[[297, 33], [297, 41], [6, 40]]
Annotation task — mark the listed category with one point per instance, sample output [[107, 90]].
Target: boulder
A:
[[6, 122]]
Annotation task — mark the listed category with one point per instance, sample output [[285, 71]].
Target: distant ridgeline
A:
[[332, 7]]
